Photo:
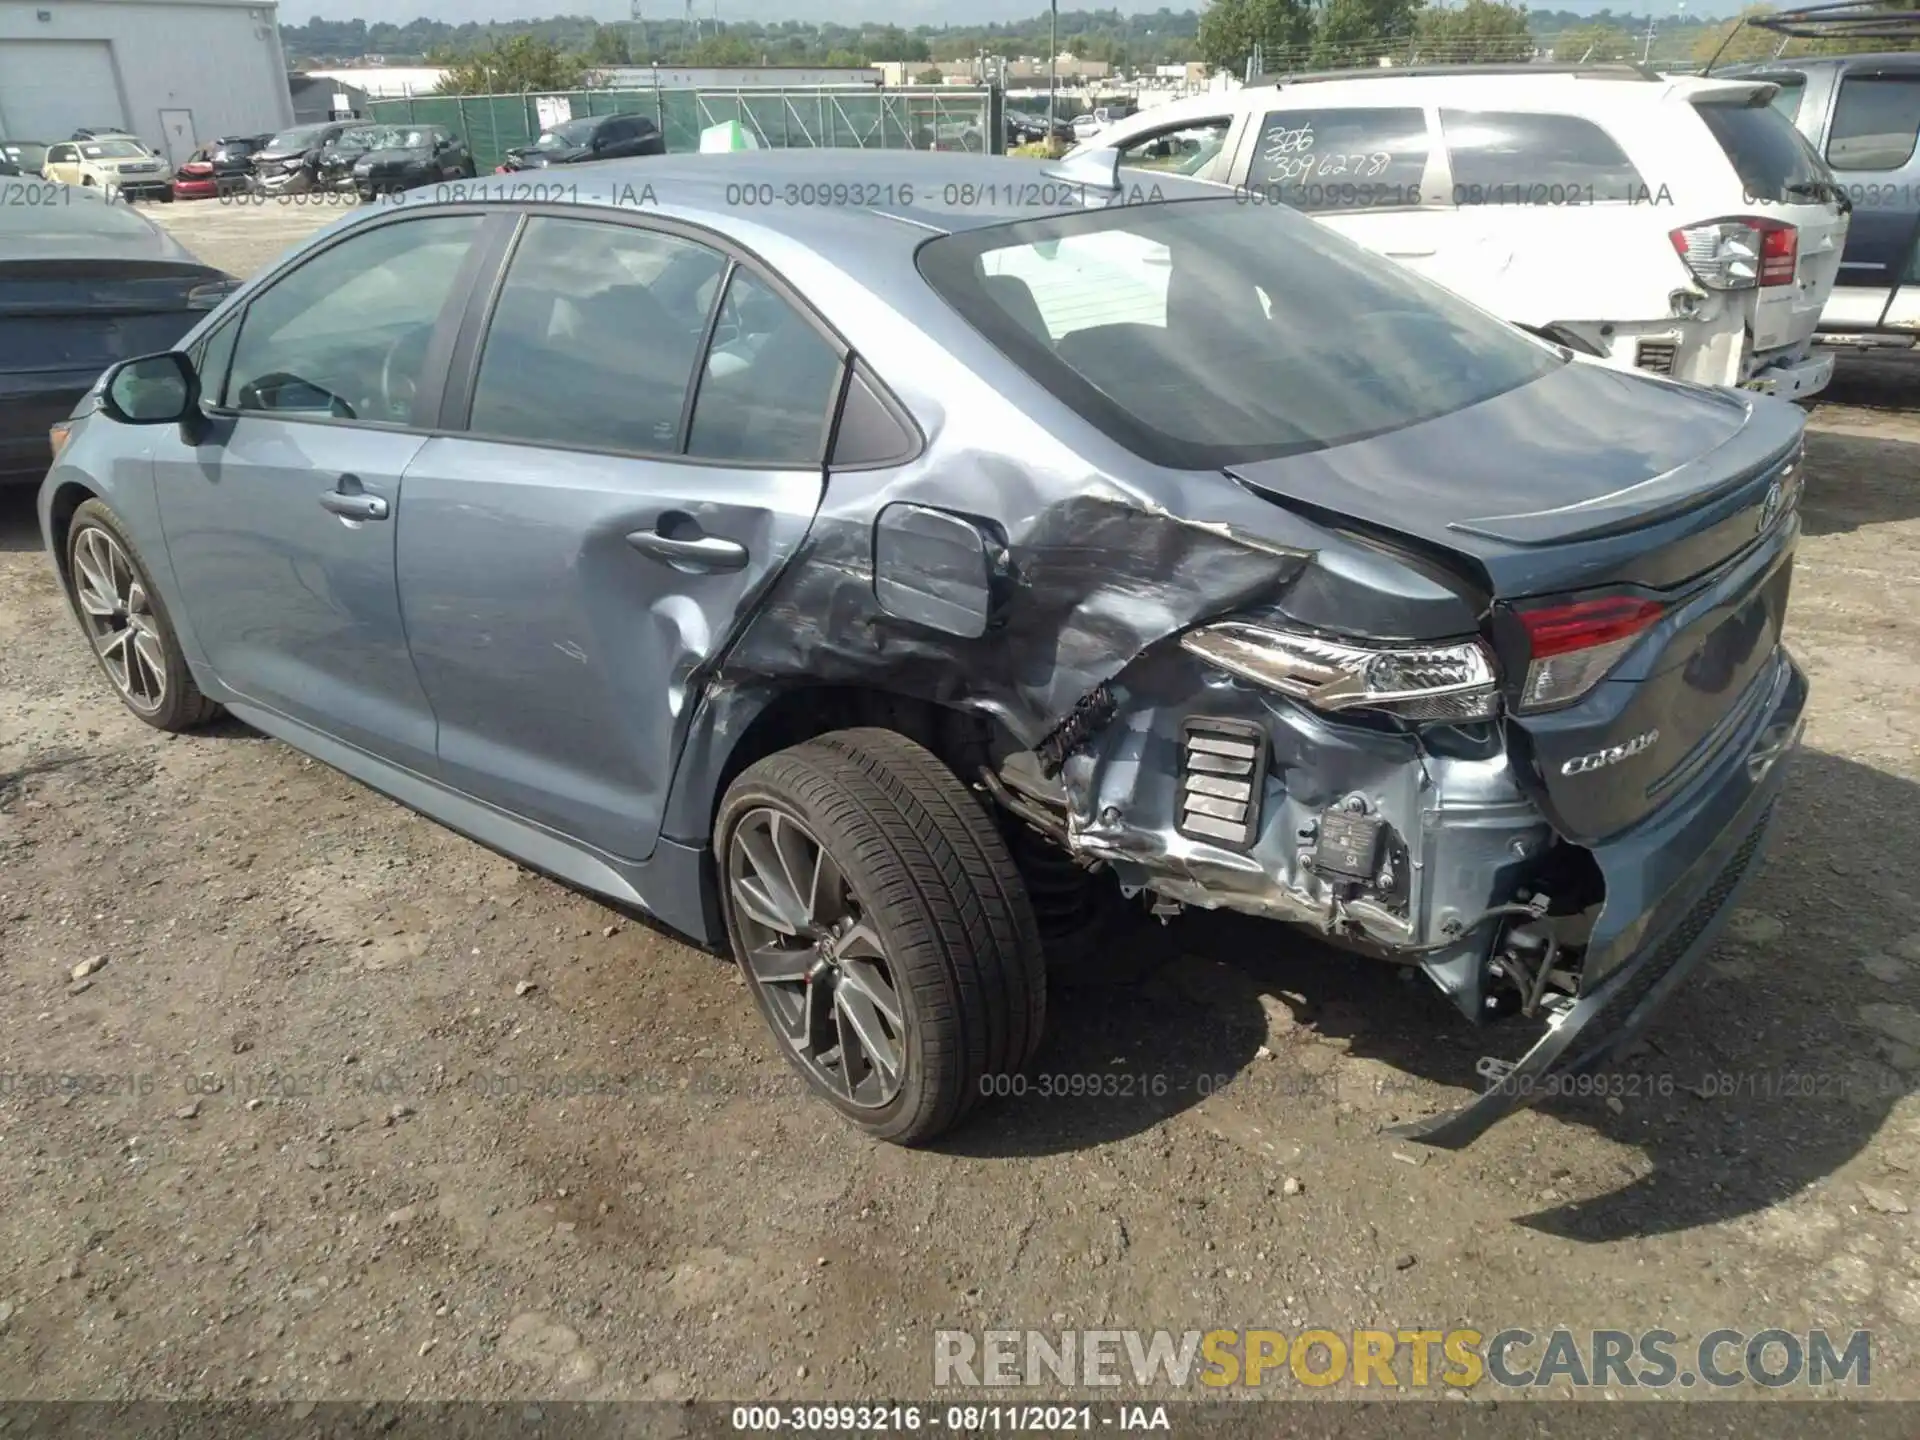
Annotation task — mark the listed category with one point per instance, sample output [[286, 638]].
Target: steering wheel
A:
[[398, 368]]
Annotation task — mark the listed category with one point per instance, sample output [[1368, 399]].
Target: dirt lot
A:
[[332, 1153]]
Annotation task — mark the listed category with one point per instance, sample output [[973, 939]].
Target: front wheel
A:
[[882, 928], [132, 635]]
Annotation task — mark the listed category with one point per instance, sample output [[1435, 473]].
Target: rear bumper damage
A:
[[1419, 846], [1655, 927]]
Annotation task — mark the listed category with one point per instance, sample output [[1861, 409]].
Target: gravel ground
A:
[[332, 1151]]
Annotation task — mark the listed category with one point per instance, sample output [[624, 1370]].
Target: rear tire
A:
[[899, 897]]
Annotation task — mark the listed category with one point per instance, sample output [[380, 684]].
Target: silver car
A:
[[893, 567]]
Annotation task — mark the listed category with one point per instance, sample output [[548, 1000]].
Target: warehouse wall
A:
[[106, 62]]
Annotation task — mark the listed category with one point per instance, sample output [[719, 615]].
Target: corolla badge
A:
[[1613, 755]]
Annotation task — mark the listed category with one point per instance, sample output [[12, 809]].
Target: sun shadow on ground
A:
[[1774, 1066]]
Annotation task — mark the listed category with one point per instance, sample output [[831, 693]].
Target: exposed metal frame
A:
[[1847, 19], [1842, 20]]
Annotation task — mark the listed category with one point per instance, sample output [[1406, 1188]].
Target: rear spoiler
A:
[[1846, 20]]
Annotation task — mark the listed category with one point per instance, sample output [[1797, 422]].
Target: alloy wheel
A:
[[119, 619], [816, 961]]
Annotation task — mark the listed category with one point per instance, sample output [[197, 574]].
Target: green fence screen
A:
[[943, 117]]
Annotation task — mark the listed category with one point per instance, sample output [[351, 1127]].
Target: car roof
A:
[[836, 201], [1531, 87]]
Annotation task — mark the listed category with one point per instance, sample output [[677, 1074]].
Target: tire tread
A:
[[962, 933]]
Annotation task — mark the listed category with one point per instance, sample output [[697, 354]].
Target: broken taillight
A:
[[1739, 253], [1450, 682], [1571, 647]]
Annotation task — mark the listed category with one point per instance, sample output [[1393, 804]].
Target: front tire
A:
[[126, 621], [883, 930]]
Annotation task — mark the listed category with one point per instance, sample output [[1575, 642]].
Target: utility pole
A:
[[637, 42], [1053, 69]]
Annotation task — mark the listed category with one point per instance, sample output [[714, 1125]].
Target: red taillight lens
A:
[[1739, 253], [1779, 255], [1559, 628], [1573, 646]]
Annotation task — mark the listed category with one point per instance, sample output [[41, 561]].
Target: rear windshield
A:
[[567, 135], [49, 211], [298, 138], [1774, 161], [1202, 333]]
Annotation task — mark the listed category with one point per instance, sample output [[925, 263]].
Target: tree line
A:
[[561, 52]]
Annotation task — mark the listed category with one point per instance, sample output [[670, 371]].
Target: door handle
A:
[[699, 554], [350, 502]]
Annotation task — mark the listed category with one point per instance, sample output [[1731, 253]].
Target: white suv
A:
[[121, 165], [1662, 223]]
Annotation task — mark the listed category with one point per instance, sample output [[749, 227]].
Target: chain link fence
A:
[[946, 118]]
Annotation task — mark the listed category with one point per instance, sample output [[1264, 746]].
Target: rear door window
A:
[[1774, 161], [767, 384], [595, 336], [1502, 157], [1340, 159], [1875, 122], [1793, 89]]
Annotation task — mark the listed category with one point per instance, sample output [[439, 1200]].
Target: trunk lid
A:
[[85, 314], [1595, 482]]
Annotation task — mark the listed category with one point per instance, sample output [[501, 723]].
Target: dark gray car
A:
[[879, 586], [289, 163]]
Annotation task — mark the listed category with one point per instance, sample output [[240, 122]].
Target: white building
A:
[[386, 82], [177, 73]]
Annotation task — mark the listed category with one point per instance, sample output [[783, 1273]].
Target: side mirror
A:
[[152, 390]]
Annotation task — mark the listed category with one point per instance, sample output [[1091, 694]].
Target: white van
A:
[[1663, 223]]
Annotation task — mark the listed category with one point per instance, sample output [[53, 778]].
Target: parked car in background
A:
[[289, 163], [83, 283], [1675, 225], [27, 157], [1100, 117], [1862, 114], [590, 137], [1026, 128], [232, 160], [333, 165], [372, 159], [652, 549], [400, 157], [195, 179], [119, 165]]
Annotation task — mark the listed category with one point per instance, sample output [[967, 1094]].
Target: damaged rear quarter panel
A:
[[1104, 555]]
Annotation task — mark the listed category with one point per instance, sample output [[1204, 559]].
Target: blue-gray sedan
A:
[[891, 566]]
